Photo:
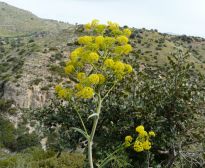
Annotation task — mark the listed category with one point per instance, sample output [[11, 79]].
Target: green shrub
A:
[[45, 88], [26, 140], [18, 65], [58, 70], [31, 41], [3, 68], [5, 105], [36, 81], [37, 158], [7, 133], [22, 51]]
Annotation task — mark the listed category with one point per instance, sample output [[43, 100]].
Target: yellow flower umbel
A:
[[86, 93], [128, 68], [58, 88], [128, 140], [85, 40], [138, 147], [122, 40], [93, 57], [75, 54], [94, 23], [119, 67], [142, 142], [109, 63], [146, 145], [127, 32], [99, 40], [81, 76], [140, 129], [101, 78], [87, 26], [127, 49], [113, 26], [152, 133], [79, 86], [94, 79], [69, 69], [124, 49], [63, 93]]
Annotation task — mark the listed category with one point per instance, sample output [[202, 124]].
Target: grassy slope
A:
[[155, 47], [14, 21]]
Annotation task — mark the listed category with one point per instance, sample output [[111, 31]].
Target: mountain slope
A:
[[16, 21], [33, 52]]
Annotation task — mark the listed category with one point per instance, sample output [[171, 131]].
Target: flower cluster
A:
[[85, 40], [64, 93], [86, 93], [119, 68], [97, 59], [142, 142], [84, 89], [95, 26]]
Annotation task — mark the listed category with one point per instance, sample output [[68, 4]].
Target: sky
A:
[[167, 16]]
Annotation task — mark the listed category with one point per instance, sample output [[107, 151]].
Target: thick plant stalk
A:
[[90, 142]]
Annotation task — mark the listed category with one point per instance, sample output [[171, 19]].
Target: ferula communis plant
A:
[[96, 67]]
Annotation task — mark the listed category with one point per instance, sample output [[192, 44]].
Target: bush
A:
[[31, 41], [26, 140], [58, 70], [36, 81], [7, 133], [45, 88], [35, 157], [5, 106], [22, 51]]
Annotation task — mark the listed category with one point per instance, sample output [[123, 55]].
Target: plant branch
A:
[[109, 90], [81, 120]]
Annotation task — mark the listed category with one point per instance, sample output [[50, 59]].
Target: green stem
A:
[[90, 142], [148, 158], [95, 122]]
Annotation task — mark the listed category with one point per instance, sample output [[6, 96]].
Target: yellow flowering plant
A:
[[95, 68], [139, 144], [142, 142]]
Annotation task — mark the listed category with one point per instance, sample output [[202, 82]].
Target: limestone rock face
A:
[[27, 91], [25, 97]]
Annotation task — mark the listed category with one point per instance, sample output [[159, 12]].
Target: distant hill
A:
[[15, 21]]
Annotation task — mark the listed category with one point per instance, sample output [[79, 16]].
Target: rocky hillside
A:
[[33, 52], [16, 22], [28, 47]]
